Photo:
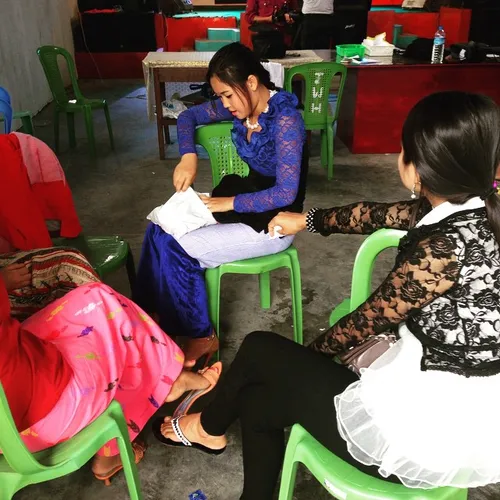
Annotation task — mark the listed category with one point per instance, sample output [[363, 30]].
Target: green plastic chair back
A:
[[49, 58], [342, 480], [20, 468], [318, 80], [224, 159], [361, 284], [217, 142]]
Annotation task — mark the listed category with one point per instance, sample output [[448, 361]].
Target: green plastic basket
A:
[[351, 50]]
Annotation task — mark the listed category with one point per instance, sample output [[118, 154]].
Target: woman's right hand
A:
[[16, 276], [185, 172], [289, 223]]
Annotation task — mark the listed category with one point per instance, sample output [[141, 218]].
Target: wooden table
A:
[[167, 67]]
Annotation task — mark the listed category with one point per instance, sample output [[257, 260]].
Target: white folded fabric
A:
[[182, 213]]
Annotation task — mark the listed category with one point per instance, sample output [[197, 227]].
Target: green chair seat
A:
[[224, 159], [106, 254], [20, 468], [316, 113], [342, 480], [48, 56]]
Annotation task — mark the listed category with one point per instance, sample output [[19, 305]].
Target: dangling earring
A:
[[413, 194]]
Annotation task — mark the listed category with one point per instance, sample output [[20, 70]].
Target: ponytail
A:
[[492, 203]]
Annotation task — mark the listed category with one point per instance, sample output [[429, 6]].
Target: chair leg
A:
[[212, 283], [89, 125], [295, 278], [56, 129], [265, 290], [290, 464], [130, 267], [330, 140], [324, 149], [70, 117], [27, 122], [110, 126], [129, 467]]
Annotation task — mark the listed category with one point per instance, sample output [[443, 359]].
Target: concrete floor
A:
[[113, 196]]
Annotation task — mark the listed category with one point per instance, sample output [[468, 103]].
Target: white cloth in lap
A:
[[221, 243]]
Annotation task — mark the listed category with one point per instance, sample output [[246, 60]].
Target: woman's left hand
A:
[[220, 204]]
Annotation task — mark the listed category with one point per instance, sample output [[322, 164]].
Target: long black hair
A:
[[233, 64], [453, 139]]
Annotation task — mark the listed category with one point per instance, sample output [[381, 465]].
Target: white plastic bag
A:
[[182, 213]]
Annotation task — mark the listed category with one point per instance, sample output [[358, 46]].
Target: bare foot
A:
[[186, 381], [194, 432]]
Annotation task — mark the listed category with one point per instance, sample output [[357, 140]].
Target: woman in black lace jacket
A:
[[425, 413]]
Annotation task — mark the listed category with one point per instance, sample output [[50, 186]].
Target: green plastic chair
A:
[[20, 468], [342, 480], [224, 159], [106, 254], [48, 56], [26, 119], [318, 80], [361, 284]]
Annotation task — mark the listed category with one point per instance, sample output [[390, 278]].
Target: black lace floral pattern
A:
[[366, 217], [445, 285]]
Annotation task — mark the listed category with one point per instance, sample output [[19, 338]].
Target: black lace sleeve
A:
[[422, 273], [366, 217]]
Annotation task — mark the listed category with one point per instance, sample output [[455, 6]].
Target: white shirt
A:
[[317, 7]]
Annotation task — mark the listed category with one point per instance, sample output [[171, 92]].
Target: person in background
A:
[[261, 11], [316, 29]]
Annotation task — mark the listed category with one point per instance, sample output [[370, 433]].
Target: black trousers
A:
[[316, 31], [272, 384]]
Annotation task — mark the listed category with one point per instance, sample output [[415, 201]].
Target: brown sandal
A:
[[139, 451], [196, 348]]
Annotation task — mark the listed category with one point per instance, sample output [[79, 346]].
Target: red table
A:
[[378, 98]]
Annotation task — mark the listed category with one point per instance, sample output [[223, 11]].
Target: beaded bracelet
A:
[[310, 220]]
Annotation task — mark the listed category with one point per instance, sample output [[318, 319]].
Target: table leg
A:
[[159, 112]]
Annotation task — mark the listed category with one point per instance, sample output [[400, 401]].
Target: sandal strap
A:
[[178, 432]]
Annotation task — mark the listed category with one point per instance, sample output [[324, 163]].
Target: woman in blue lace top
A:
[[269, 135]]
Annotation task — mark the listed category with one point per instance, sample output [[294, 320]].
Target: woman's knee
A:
[[259, 342]]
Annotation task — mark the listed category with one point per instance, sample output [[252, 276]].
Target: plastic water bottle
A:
[[438, 46]]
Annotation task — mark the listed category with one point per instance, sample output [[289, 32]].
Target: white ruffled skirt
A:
[[428, 428]]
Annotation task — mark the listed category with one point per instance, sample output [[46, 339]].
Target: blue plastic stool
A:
[[24, 116]]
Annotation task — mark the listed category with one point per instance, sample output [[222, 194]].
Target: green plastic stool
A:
[[318, 80], [361, 284], [48, 56], [224, 159], [106, 254], [342, 480], [20, 468]]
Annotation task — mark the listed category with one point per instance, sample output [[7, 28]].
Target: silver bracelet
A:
[[310, 220]]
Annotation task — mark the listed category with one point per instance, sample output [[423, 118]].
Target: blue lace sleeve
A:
[[289, 141], [203, 114]]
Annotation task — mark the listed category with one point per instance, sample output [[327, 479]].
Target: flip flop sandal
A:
[[139, 451], [184, 441], [192, 396]]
